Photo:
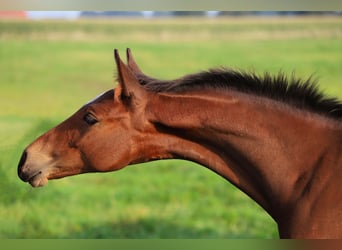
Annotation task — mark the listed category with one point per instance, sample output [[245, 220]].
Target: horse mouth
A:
[[37, 180]]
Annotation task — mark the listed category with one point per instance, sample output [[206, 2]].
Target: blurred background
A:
[[51, 63]]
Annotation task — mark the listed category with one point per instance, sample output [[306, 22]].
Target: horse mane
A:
[[303, 94]]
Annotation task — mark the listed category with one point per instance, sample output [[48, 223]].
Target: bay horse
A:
[[276, 139]]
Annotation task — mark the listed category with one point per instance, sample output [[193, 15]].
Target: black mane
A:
[[302, 94]]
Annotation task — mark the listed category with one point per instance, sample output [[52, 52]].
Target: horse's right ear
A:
[[132, 64], [129, 86]]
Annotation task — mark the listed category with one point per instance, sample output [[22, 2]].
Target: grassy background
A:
[[50, 69]]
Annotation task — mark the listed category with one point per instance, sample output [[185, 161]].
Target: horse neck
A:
[[255, 143]]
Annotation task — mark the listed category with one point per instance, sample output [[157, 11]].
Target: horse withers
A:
[[277, 140]]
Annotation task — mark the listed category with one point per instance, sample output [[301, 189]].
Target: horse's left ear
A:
[[129, 86]]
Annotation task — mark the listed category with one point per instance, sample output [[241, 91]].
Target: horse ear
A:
[[132, 64], [129, 86]]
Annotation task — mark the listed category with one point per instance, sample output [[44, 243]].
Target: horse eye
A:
[[90, 119]]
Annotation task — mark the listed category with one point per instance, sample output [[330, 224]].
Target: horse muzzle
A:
[[31, 173]]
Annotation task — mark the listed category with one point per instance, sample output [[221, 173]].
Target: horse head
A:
[[101, 136]]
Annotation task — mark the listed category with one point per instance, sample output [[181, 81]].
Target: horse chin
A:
[[38, 180]]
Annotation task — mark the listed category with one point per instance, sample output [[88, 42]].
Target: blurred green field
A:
[[51, 68]]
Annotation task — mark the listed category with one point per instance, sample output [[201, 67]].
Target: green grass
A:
[[50, 69]]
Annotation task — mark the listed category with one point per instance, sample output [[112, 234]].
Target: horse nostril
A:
[[21, 163]]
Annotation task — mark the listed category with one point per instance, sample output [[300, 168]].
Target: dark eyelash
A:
[[90, 119]]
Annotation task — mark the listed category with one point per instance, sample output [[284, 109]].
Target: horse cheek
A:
[[109, 155], [120, 152]]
